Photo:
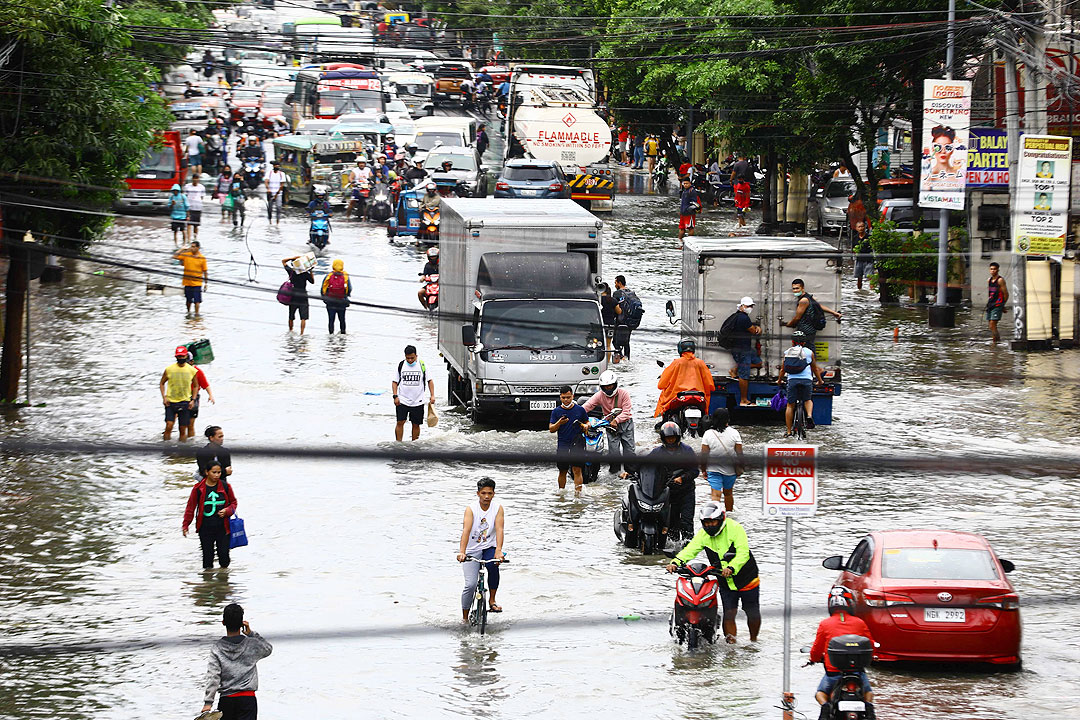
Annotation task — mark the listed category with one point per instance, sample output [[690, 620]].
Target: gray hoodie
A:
[[232, 664]]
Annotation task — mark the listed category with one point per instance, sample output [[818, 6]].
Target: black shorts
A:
[[412, 413], [562, 465], [178, 410], [304, 311], [194, 217], [179, 225], [730, 599]]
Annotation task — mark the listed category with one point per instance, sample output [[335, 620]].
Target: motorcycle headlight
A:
[[649, 508]]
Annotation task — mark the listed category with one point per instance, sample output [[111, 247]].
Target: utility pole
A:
[[1012, 139], [942, 315], [18, 280]]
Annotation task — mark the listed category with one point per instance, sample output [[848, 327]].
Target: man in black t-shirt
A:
[[742, 350], [740, 171], [299, 302], [214, 451]]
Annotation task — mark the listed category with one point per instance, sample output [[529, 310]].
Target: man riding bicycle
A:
[[481, 538], [801, 369], [841, 621]]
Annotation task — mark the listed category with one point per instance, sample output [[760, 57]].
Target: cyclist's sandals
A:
[[495, 608]]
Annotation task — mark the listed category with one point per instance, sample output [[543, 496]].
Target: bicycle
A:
[[798, 419], [478, 615]]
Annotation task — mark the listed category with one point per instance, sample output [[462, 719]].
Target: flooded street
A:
[[350, 572]]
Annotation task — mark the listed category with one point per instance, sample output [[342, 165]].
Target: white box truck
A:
[[552, 117], [518, 309], [718, 272]]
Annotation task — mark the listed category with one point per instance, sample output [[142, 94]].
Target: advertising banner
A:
[[1042, 195], [946, 118], [988, 159]]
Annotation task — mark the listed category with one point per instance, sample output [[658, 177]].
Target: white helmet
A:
[[433, 252], [609, 383], [713, 510], [431, 186]]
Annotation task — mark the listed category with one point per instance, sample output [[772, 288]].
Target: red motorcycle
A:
[[431, 292], [697, 593], [688, 410]]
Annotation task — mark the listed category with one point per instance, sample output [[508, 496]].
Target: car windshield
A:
[[537, 324], [461, 162], [428, 140], [396, 106], [904, 217], [335, 158], [274, 98], [530, 173], [340, 102], [839, 189], [422, 90], [937, 564], [159, 163]]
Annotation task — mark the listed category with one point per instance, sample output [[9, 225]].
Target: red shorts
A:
[[686, 222]]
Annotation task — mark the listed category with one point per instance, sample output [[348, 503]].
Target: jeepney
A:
[[311, 160]]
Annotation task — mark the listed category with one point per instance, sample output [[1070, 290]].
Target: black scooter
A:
[[850, 654], [642, 520]]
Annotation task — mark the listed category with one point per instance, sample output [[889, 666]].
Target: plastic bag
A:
[[779, 401], [237, 533]]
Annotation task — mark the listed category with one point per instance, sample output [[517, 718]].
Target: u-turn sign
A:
[[790, 481]]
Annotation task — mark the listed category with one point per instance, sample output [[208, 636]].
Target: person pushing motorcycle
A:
[[686, 372], [724, 541], [841, 621], [679, 469]]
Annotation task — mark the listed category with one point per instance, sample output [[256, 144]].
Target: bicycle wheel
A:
[[799, 425], [481, 613]]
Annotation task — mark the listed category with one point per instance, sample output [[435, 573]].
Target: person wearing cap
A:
[[176, 393], [178, 214], [277, 185], [742, 351], [195, 278], [739, 583]]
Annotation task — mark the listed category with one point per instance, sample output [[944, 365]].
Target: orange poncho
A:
[[684, 373]]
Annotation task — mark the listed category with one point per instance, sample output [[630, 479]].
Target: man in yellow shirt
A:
[[176, 394], [194, 281]]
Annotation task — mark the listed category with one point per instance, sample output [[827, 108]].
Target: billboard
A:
[[946, 118], [988, 159], [1042, 195]]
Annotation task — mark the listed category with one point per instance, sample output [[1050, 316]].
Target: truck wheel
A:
[[475, 415]]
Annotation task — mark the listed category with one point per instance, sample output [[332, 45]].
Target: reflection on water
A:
[[93, 552]]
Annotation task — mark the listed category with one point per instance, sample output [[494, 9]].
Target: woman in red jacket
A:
[[211, 503]]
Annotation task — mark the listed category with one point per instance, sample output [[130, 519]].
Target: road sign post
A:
[[790, 491]]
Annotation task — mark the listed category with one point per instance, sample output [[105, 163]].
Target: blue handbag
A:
[[237, 534]]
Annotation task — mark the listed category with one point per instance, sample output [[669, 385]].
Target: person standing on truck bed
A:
[[809, 313], [742, 351]]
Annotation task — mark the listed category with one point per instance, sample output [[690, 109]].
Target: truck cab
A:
[[717, 272], [163, 166]]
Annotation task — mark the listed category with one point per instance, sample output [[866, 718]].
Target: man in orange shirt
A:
[[195, 278], [686, 372]]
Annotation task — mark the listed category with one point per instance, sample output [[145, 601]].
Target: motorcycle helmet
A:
[[390, 137], [433, 253], [668, 431], [445, 163], [609, 383], [687, 345], [713, 511], [320, 192], [430, 187], [799, 337], [841, 600]]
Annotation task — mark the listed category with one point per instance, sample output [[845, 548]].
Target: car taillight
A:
[[502, 186], [877, 599], [555, 186], [1008, 601]]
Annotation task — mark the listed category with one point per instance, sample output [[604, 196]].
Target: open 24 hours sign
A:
[[1042, 195]]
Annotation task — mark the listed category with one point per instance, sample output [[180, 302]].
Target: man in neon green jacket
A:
[[724, 542]]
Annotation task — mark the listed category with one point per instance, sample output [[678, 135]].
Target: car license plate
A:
[[541, 404], [414, 222], [952, 615], [851, 706], [530, 193], [145, 202]]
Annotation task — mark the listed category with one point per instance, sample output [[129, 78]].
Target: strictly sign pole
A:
[[790, 491]]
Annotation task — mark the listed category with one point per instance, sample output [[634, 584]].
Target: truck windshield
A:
[[339, 102], [426, 140], [158, 162], [538, 324]]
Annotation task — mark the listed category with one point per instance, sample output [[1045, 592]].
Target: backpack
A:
[[815, 314], [794, 360], [632, 309], [727, 331], [335, 286]]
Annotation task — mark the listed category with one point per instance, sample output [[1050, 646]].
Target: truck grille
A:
[[537, 389], [144, 193]]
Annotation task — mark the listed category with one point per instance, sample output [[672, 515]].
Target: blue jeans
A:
[[472, 577], [639, 157], [828, 682]]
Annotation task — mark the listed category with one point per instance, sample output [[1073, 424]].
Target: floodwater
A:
[[351, 572]]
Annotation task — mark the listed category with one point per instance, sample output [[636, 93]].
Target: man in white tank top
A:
[[481, 537]]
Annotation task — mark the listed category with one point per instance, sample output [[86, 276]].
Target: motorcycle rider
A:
[[431, 267], [609, 397], [724, 541], [252, 151], [841, 621], [431, 200], [416, 172], [319, 202], [390, 148], [358, 177], [686, 372], [680, 470]]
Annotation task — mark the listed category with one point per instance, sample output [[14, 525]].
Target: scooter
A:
[[661, 171], [597, 442], [687, 411], [697, 591], [363, 192], [319, 233], [429, 227], [379, 207], [431, 292], [253, 173], [849, 654], [642, 520]]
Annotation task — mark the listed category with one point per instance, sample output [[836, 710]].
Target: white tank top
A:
[[482, 535]]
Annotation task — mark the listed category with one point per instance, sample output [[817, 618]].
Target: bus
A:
[[336, 89]]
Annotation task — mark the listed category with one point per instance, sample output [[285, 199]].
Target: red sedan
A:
[[934, 596]]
